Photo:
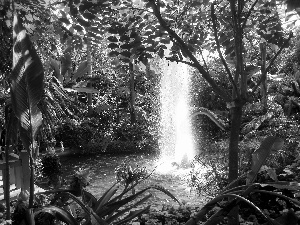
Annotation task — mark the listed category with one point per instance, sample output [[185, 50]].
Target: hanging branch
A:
[[220, 91], [214, 19]]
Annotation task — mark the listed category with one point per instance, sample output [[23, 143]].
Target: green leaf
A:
[[113, 54], [113, 45], [126, 54], [124, 38], [125, 60], [89, 16], [68, 49], [260, 155], [112, 39], [89, 199], [293, 186], [83, 206], [64, 20], [165, 40], [54, 64], [78, 28], [133, 214], [95, 30], [83, 22], [292, 4], [113, 30], [112, 206], [81, 71], [59, 214], [73, 10], [27, 86], [126, 46], [115, 62], [256, 123], [105, 198], [84, 89], [66, 63], [120, 213]]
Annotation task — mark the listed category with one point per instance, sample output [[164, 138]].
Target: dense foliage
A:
[[92, 86]]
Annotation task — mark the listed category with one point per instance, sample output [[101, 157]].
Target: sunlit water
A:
[[176, 143], [102, 176]]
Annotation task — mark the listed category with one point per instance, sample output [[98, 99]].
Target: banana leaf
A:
[[55, 66], [26, 84], [27, 88], [66, 64], [82, 69]]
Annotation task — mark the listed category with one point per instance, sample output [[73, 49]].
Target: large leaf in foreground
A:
[[26, 84], [260, 155], [59, 213]]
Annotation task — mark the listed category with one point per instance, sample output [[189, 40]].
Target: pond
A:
[[102, 176]]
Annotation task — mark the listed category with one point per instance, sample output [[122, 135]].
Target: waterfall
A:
[[176, 143]]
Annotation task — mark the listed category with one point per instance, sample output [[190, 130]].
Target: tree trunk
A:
[[7, 179], [263, 85], [233, 164], [32, 174], [132, 94], [89, 74], [236, 119]]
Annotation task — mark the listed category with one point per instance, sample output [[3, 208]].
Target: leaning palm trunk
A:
[[263, 85], [89, 74], [132, 94], [26, 91]]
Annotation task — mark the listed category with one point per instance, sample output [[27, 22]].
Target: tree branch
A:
[[184, 48], [214, 19], [272, 61], [204, 60], [249, 13], [181, 61]]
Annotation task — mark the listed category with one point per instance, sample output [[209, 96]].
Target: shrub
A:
[[51, 169], [209, 173], [85, 136], [128, 137]]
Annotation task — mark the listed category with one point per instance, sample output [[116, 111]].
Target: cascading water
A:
[[176, 142]]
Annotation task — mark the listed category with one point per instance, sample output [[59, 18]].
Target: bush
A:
[[88, 136], [132, 138], [209, 173], [51, 169], [168, 214], [85, 136]]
